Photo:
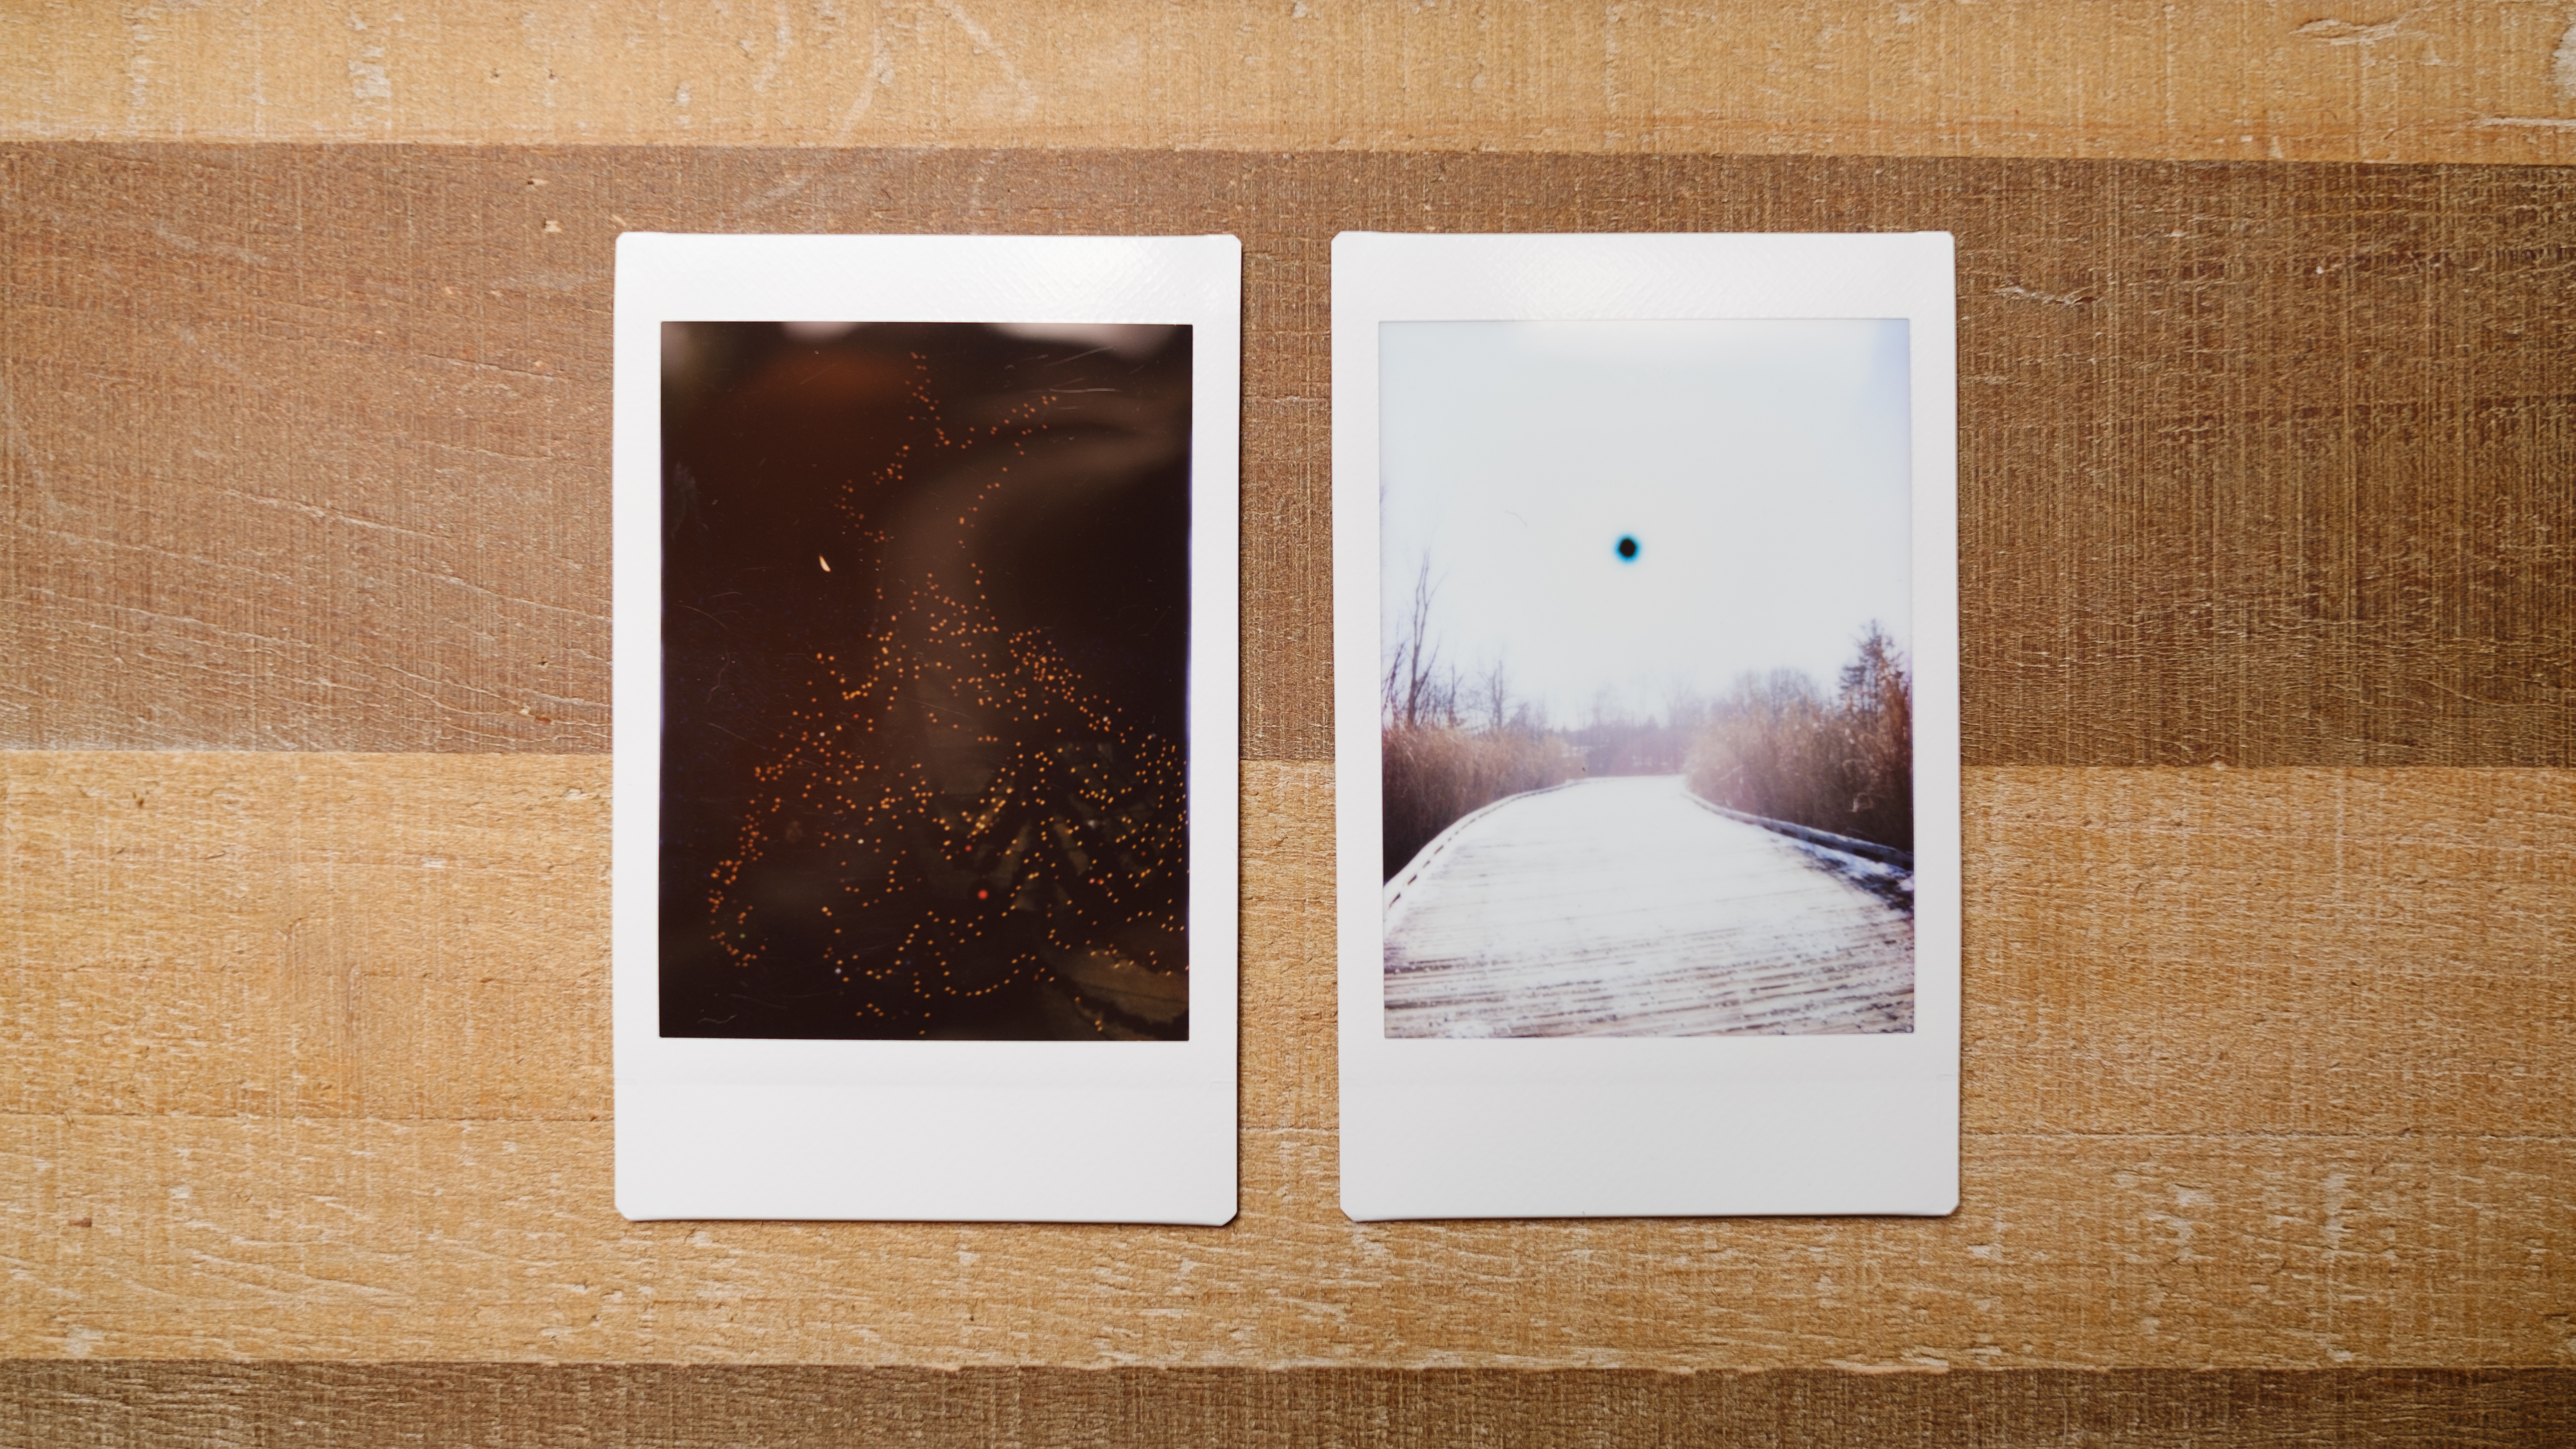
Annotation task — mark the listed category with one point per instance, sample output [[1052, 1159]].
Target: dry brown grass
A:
[[1434, 774], [1779, 747]]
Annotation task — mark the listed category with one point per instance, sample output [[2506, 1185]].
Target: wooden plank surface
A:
[[2466, 80], [368, 1406], [2261, 463], [1622, 906], [374, 1240], [2265, 464], [2264, 1069]]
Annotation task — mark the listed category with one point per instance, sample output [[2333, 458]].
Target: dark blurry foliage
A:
[[1436, 775]]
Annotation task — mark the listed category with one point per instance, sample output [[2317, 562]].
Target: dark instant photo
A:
[[925, 631]]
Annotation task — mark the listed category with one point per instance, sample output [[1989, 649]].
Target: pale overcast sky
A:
[[1761, 467]]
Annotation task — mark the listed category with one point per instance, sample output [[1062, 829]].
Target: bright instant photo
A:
[[1647, 724], [926, 719]]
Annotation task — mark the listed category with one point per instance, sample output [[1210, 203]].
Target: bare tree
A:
[[1413, 680], [1494, 695]]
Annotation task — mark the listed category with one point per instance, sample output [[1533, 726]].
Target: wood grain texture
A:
[[2266, 464], [2365, 81], [371, 1240], [303, 449], [296, 934], [2264, 1069], [72, 1405]]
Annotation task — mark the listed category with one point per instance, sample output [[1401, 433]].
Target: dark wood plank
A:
[[306, 447], [147, 1404]]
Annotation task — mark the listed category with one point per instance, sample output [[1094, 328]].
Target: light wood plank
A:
[[304, 934], [376, 1240], [2264, 1068], [2451, 81], [2344, 952], [2330, 951]]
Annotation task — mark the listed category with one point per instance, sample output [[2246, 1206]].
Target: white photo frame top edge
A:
[[770, 277], [1633, 276], [1389, 1172], [1193, 281]]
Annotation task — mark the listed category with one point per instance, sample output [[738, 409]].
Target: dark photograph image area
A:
[[925, 637], [1646, 700]]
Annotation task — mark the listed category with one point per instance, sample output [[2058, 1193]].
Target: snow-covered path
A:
[[1623, 907]]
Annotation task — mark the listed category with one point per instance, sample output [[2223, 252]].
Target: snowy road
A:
[[1623, 907]]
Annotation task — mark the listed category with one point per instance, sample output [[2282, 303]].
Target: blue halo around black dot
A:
[[1628, 548]]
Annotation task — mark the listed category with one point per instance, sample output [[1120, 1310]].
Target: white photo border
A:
[[1635, 1126], [922, 1130]]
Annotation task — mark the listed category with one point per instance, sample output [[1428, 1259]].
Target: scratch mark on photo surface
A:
[[714, 619]]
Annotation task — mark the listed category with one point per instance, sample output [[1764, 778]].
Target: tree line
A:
[[1775, 744]]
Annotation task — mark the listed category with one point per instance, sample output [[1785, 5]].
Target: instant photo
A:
[[1646, 713], [927, 606], [1644, 612], [925, 632]]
